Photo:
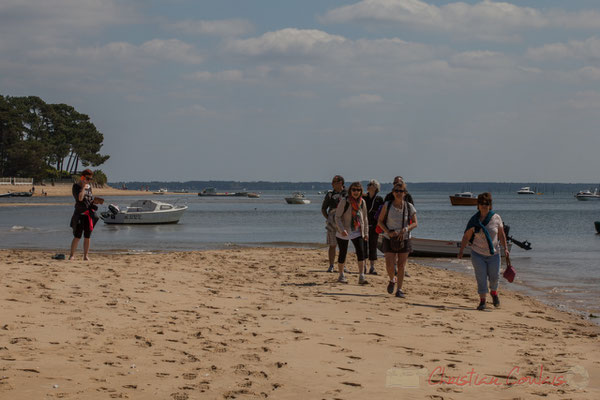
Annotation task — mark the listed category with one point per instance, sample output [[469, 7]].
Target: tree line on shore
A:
[[46, 141]]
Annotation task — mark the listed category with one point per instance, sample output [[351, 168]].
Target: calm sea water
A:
[[563, 268]]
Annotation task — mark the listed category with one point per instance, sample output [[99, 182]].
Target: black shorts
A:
[[387, 248], [82, 226]]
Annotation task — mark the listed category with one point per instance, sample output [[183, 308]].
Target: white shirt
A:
[[480, 244]]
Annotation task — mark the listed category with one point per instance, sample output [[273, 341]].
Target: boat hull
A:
[[463, 201], [291, 200], [144, 218], [439, 248], [597, 225], [588, 198]]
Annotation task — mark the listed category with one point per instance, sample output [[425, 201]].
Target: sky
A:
[[303, 90]]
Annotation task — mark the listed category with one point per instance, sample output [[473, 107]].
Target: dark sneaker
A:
[[496, 300], [406, 275], [362, 280], [400, 293], [390, 287], [372, 271], [481, 306], [342, 279], [345, 270], [330, 269]]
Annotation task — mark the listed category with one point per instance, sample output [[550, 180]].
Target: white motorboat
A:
[[440, 248], [297, 198], [525, 190], [144, 212], [585, 195], [160, 191]]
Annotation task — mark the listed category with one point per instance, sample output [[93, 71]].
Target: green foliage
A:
[[99, 177], [42, 140]]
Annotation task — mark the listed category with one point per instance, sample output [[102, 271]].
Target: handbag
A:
[[397, 244], [509, 273]]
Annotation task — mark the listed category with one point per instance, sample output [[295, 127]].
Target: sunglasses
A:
[[399, 191], [356, 190], [484, 203]]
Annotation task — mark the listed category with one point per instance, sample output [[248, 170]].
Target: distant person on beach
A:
[[330, 203], [352, 225], [84, 217], [485, 232], [397, 219], [374, 203]]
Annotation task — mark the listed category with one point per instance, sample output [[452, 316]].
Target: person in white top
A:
[[485, 231], [397, 219], [352, 224]]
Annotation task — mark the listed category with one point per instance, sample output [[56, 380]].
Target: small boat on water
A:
[[253, 195], [160, 191], [525, 190], [463, 199], [440, 248], [212, 192], [21, 194], [144, 212], [586, 195], [597, 225], [5, 194], [297, 198]]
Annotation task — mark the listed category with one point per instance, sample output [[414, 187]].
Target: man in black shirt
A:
[[330, 202]]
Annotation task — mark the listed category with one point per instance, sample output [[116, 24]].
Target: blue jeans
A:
[[486, 267]]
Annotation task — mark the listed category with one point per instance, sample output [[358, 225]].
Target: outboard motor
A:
[[114, 209]]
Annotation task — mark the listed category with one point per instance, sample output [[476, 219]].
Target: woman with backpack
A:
[[352, 225], [374, 203], [397, 219]]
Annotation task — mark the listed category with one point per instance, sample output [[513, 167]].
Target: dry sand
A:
[[65, 190], [269, 323]]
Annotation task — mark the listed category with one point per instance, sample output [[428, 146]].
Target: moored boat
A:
[[253, 195], [160, 191], [586, 195], [440, 248], [463, 199], [144, 212], [297, 198], [597, 225], [212, 192], [525, 190]]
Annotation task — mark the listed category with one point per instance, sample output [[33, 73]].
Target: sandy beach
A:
[[269, 323], [65, 190]]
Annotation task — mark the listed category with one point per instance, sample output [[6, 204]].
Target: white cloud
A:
[[225, 27], [361, 100], [481, 60], [285, 41], [173, 50], [587, 100], [487, 19], [232, 75], [193, 110], [588, 49]]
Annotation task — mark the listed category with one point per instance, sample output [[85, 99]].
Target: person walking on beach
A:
[[352, 224], [84, 217], [485, 232], [374, 203], [390, 197], [330, 203], [397, 219]]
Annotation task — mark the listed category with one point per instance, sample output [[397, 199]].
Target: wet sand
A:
[[270, 323]]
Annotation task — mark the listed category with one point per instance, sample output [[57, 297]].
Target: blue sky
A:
[[302, 90]]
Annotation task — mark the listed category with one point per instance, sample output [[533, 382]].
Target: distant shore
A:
[[266, 322]]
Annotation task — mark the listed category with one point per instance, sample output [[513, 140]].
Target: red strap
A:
[[91, 221]]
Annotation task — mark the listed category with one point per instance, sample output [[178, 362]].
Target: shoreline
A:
[[64, 189], [519, 287], [263, 322]]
